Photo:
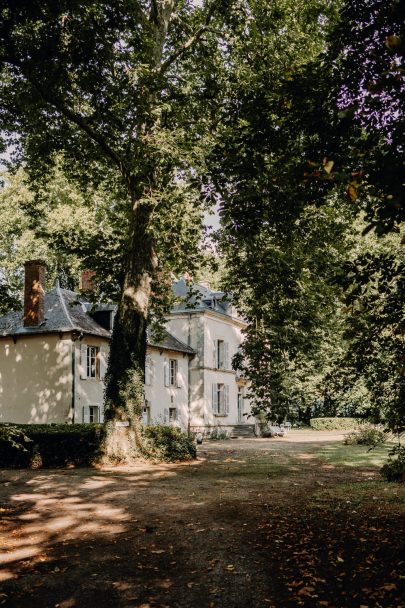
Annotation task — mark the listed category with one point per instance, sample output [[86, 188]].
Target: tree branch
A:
[[72, 116], [189, 43]]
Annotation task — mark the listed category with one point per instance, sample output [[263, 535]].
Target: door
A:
[[240, 408]]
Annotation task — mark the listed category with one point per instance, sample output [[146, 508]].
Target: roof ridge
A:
[[63, 303]]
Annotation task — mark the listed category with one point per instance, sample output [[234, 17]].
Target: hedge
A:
[[335, 424], [53, 445], [62, 445], [169, 443]]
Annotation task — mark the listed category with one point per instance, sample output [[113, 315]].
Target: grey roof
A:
[[67, 311], [197, 297], [64, 311], [169, 342]]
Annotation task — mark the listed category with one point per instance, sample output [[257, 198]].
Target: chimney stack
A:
[[34, 293], [86, 280]]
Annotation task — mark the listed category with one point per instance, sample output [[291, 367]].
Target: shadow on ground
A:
[[249, 524]]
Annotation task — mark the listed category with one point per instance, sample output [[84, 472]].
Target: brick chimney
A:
[[86, 280], [34, 293]]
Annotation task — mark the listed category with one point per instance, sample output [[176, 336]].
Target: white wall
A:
[[161, 397], [36, 379], [88, 391], [218, 327], [200, 330]]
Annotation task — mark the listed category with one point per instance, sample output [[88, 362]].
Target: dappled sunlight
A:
[[151, 533], [56, 509]]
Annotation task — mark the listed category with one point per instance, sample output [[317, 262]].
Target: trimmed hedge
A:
[[53, 445], [170, 443], [335, 424], [63, 445]]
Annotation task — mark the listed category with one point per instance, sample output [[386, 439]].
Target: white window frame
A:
[[221, 354], [173, 371], [148, 370], [93, 414], [220, 399], [173, 414], [92, 362]]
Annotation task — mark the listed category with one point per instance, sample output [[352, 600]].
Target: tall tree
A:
[[120, 88]]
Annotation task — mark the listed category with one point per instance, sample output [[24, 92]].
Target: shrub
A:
[[217, 434], [169, 443], [365, 436], [394, 469], [53, 445], [335, 424]]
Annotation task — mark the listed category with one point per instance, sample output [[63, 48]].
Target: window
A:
[[221, 354], [146, 413], [93, 362], [171, 372], [172, 414], [92, 414], [220, 399], [148, 370]]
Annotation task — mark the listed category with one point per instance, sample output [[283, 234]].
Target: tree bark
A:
[[125, 375]]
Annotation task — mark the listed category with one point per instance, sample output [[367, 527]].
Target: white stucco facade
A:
[[57, 376], [36, 379], [203, 331]]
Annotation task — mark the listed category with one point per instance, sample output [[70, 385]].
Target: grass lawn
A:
[[356, 455]]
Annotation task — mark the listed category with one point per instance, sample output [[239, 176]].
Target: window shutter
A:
[[102, 412], [215, 353], [215, 399], [148, 370], [86, 414], [83, 361], [226, 355], [226, 398], [178, 376], [166, 372], [103, 361], [166, 415]]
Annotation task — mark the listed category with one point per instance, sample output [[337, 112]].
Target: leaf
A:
[[306, 591], [351, 192], [389, 586], [328, 165]]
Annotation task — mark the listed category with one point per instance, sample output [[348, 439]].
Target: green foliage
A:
[[334, 424], [169, 443], [394, 469], [55, 445], [365, 436], [218, 434], [127, 93]]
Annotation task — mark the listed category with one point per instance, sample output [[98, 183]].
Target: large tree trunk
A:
[[125, 376], [124, 395]]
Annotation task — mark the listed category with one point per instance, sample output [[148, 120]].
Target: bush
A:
[[394, 470], [335, 424], [169, 443], [53, 445], [218, 434], [365, 436]]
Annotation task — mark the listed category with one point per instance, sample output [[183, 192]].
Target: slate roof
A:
[[64, 311], [67, 311], [199, 298], [169, 342]]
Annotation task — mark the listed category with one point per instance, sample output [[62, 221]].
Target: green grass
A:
[[374, 494], [356, 456]]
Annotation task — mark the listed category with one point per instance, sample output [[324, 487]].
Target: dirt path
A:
[[252, 523]]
